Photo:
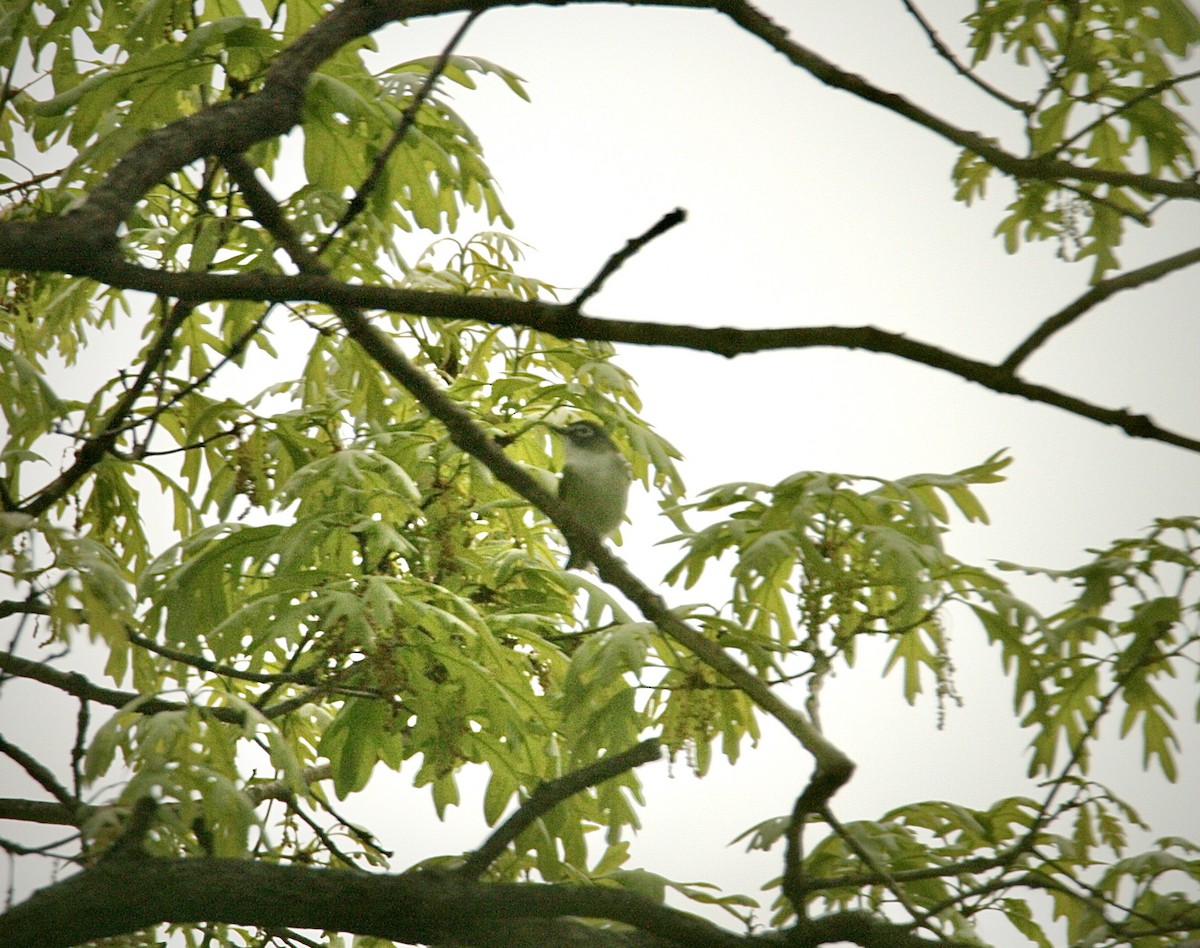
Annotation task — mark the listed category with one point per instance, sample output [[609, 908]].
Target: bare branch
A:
[[76, 684], [1093, 297], [945, 52], [1148, 93], [617, 260], [39, 772], [76, 242], [359, 201], [1039, 167], [27, 607], [215, 668], [43, 811], [67, 814], [868, 859], [547, 796], [122, 895], [561, 320], [94, 449]]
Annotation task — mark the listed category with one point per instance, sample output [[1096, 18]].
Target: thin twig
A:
[[407, 118], [1094, 296], [548, 795], [236, 348], [78, 685], [79, 749], [93, 450], [39, 772], [882, 874], [286, 934], [617, 260], [1148, 93], [1142, 217], [215, 668], [945, 52], [320, 833]]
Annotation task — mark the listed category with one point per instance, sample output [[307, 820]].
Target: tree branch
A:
[[1148, 93], [409, 116], [560, 319], [73, 242], [307, 677], [1038, 168], [39, 772], [83, 242], [76, 684], [94, 449], [123, 895], [67, 814], [617, 260], [547, 796], [23, 607], [944, 51], [1093, 297]]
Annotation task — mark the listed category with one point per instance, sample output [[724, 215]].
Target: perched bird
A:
[[595, 480]]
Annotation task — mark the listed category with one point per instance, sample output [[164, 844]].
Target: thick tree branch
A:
[[124, 895], [31, 607], [560, 319], [75, 241]]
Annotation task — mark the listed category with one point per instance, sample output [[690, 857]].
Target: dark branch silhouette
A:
[[79, 686], [617, 260], [126, 894], [550, 794]]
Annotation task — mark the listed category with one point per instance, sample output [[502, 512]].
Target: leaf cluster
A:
[[1107, 77], [306, 578]]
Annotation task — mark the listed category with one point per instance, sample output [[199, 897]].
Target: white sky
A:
[[807, 207]]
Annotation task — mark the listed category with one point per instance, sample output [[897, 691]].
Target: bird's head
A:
[[586, 435]]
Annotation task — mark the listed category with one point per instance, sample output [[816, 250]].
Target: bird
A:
[[595, 481]]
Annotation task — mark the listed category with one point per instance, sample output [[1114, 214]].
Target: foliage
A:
[[304, 576], [1107, 73]]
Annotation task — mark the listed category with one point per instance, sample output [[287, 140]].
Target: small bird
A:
[[595, 480]]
